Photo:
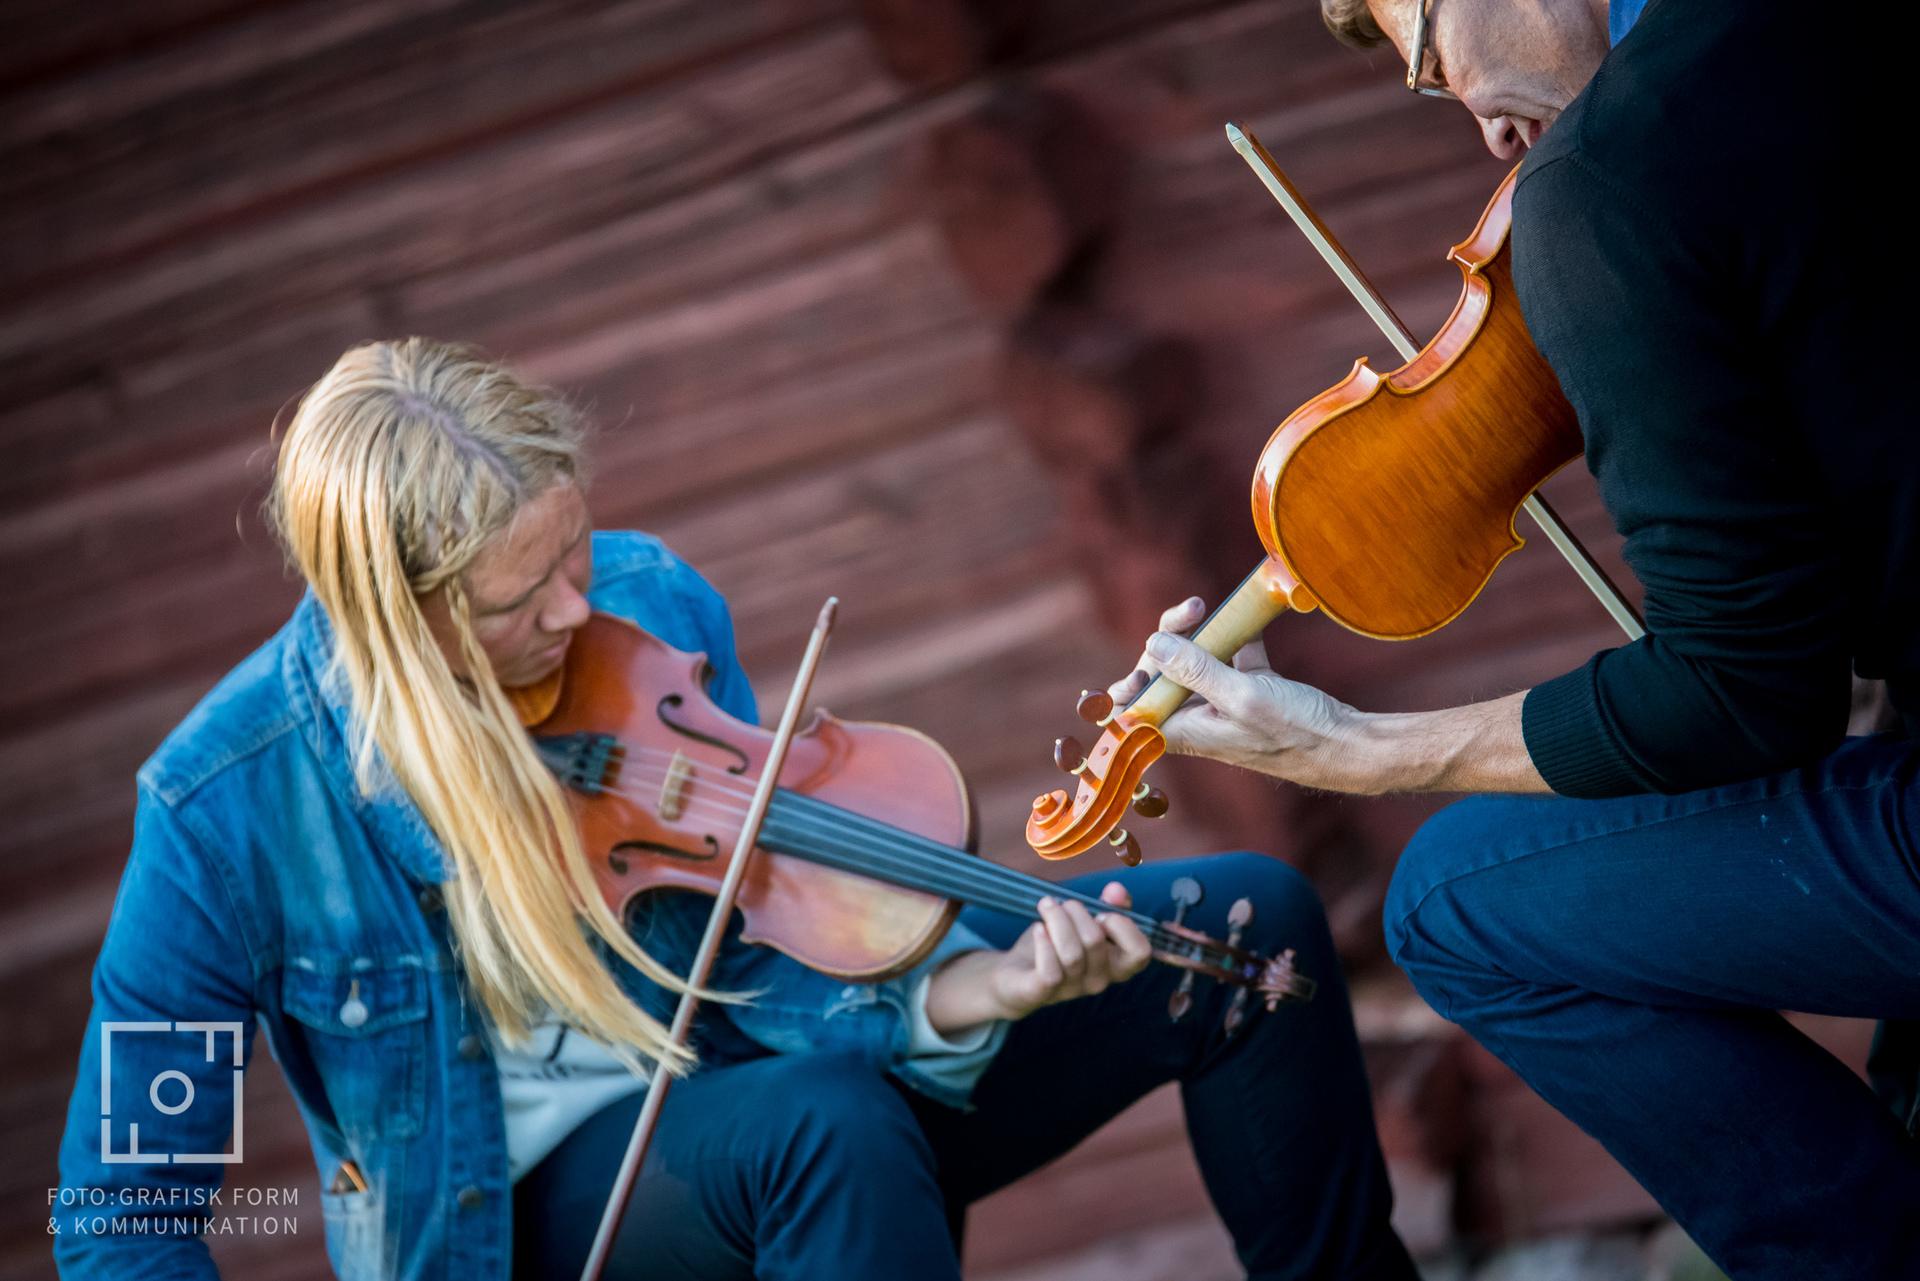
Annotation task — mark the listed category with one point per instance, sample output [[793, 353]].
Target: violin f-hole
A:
[[674, 701]]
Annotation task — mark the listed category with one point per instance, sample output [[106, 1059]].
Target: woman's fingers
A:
[[1098, 970], [1076, 953], [1046, 962], [1132, 946], [1127, 939], [1065, 938]]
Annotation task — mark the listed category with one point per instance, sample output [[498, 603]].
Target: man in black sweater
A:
[[1707, 255]]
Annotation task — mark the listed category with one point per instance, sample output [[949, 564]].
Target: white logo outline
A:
[[133, 1155]]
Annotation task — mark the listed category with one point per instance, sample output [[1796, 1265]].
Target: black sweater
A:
[[1711, 253]]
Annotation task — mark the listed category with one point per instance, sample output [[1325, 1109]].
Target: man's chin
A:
[[1504, 136], [1509, 136]]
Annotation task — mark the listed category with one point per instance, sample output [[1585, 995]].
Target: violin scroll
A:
[[1108, 783]]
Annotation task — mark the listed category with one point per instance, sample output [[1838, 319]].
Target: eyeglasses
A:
[[1417, 54]]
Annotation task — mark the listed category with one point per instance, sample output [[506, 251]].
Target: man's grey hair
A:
[[1351, 23]]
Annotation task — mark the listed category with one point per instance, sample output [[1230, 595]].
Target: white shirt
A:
[[561, 1077]]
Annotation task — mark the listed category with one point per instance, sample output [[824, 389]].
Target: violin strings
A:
[[975, 875], [934, 867], [857, 843], [970, 875]]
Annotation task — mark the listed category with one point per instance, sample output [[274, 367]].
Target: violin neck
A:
[[820, 832], [1262, 596], [804, 827]]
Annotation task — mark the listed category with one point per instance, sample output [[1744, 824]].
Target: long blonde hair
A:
[[396, 469]]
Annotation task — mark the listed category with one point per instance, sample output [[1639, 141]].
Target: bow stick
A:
[[709, 950]]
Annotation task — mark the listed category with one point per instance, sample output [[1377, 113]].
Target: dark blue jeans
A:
[[816, 1166], [1626, 957]]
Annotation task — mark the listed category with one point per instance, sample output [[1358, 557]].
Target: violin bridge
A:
[[673, 788]]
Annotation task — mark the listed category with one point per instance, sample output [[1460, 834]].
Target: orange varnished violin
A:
[[1386, 502], [865, 853]]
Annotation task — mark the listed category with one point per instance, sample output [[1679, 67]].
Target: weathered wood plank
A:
[[444, 210], [306, 96], [52, 41]]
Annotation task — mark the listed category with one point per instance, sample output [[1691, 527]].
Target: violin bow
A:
[[709, 950], [1262, 163]]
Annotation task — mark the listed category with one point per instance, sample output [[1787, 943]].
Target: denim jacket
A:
[[263, 890]]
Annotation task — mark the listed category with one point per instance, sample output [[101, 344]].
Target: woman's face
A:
[[527, 589]]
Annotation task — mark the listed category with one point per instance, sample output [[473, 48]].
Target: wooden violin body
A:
[[1387, 502], [670, 814], [1391, 499]]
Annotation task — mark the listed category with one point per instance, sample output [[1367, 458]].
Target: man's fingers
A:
[[1114, 894], [1193, 668], [1184, 617], [1252, 656]]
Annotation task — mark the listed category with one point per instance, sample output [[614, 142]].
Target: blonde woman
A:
[[352, 845]]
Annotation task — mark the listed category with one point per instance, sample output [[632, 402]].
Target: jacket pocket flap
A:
[[354, 1002]]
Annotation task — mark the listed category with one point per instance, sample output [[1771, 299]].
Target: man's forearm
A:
[[1477, 748]]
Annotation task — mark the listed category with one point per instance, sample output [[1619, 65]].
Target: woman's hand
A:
[[1247, 714], [1068, 952]]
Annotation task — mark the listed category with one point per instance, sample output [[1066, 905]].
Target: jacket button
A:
[[470, 1197], [471, 1047], [353, 1011], [430, 901]]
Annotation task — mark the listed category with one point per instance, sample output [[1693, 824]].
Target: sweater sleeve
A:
[[1644, 309]]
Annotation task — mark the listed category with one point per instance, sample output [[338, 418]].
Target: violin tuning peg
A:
[[1125, 847], [1186, 892], [1236, 1012], [1149, 802], [1069, 755], [1182, 999], [1239, 916], [1095, 706]]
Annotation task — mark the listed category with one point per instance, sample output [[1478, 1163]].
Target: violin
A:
[[866, 851], [1386, 502]]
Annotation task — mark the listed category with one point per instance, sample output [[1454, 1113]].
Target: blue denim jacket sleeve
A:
[[174, 953], [800, 1009]]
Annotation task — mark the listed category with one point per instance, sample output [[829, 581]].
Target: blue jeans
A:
[[815, 1166], [1626, 957]]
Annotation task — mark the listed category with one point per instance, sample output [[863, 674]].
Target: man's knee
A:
[[1448, 846]]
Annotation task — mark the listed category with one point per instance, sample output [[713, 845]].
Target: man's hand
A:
[[1068, 952], [1247, 714], [1251, 716]]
